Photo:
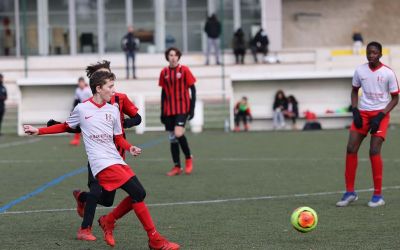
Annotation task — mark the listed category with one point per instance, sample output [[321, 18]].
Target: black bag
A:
[[312, 126]]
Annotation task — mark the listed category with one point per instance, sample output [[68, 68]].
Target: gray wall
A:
[[317, 23]]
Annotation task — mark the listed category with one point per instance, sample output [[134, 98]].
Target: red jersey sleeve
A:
[[121, 142], [161, 80], [189, 78], [128, 107], [55, 129]]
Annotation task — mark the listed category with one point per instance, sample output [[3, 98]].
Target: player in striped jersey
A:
[[177, 106], [101, 126], [371, 113]]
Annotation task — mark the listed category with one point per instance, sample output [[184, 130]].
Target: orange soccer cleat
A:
[[76, 141], [108, 228], [85, 234], [189, 165], [158, 242], [175, 171], [80, 205]]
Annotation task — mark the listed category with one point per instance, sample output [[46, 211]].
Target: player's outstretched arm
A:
[[30, 130], [135, 151], [123, 143], [52, 122]]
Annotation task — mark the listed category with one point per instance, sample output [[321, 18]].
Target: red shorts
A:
[[114, 176], [366, 117]]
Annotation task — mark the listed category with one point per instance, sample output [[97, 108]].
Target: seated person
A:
[[259, 44], [292, 111], [242, 112], [279, 106]]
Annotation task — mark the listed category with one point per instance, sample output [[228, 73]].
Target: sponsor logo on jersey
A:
[[108, 117]]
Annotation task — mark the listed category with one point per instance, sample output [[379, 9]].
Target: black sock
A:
[[90, 209], [82, 197], [175, 153], [185, 146]]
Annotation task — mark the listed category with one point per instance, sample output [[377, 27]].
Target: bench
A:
[[327, 120]]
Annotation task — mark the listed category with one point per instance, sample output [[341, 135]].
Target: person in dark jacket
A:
[[259, 44], [292, 111], [3, 98], [239, 46], [213, 31], [129, 45]]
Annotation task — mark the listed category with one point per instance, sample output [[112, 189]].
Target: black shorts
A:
[[175, 120]]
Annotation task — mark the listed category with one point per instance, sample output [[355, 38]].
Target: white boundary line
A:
[[17, 143], [201, 159], [269, 197]]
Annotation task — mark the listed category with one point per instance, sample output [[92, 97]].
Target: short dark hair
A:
[[177, 51], [91, 69], [376, 45], [81, 79], [100, 78]]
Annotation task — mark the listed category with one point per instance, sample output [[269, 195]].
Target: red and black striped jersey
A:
[[125, 106], [176, 83]]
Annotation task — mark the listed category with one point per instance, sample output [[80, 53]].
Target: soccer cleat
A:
[[347, 198], [160, 243], [80, 205], [108, 228], [376, 201], [85, 234], [175, 171], [189, 165]]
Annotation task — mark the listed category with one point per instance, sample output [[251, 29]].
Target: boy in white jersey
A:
[[371, 114], [100, 125], [82, 93]]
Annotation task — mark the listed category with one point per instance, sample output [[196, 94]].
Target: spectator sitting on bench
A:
[[242, 112], [279, 106], [292, 111], [259, 44]]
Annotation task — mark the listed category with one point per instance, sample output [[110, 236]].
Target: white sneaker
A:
[[347, 198], [376, 201]]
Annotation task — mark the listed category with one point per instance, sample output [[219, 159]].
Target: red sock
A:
[[143, 214], [123, 208], [377, 166], [350, 173], [77, 136]]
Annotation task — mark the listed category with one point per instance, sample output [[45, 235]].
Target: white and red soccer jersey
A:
[[377, 86], [83, 94], [99, 123]]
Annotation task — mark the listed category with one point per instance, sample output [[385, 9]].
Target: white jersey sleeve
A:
[[117, 122], [356, 80], [74, 119], [393, 84]]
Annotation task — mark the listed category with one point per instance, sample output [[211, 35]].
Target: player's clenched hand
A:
[[135, 151], [357, 118], [375, 122], [30, 130]]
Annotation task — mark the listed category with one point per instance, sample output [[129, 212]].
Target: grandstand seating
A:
[[300, 63]]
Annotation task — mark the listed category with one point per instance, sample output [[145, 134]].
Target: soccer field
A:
[[240, 196]]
